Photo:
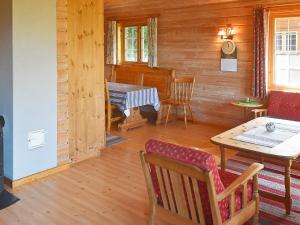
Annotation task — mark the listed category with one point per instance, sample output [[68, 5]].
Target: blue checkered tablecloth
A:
[[127, 96]]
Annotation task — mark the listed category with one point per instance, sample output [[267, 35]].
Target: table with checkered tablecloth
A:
[[128, 96]]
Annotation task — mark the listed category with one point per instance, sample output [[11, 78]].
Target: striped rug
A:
[[271, 179], [112, 140]]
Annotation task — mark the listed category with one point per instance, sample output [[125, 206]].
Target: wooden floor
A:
[[106, 190]]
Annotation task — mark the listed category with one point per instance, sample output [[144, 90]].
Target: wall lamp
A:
[[227, 32]]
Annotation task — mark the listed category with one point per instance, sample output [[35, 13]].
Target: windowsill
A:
[[282, 88], [133, 64]]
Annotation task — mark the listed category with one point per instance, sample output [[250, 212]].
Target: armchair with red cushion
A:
[[188, 184], [281, 105]]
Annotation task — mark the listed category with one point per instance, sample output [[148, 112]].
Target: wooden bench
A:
[[121, 75], [153, 77]]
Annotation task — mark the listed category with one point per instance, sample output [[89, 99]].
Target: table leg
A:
[[246, 111], [288, 199], [134, 120], [223, 161]]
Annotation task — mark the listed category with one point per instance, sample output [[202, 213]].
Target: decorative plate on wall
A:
[[229, 62], [229, 50]]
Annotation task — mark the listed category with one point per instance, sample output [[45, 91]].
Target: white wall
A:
[[34, 84], [6, 81], [28, 83]]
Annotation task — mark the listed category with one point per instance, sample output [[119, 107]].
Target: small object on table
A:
[[247, 104], [270, 127]]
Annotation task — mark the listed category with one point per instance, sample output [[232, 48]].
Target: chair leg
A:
[[185, 118], [256, 198], [256, 220], [168, 112], [190, 108], [152, 216], [108, 122]]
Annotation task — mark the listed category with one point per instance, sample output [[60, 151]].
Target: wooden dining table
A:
[[129, 98], [281, 146]]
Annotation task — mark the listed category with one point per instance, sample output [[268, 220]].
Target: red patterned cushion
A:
[[202, 160], [227, 179], [284, 105]]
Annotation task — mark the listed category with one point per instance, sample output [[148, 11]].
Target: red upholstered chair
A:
[[281, 105], [187, 183]]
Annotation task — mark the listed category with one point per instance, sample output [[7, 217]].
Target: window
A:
[[144, 47], [286, 42], [131, 44], [284, 52], [135, 44]]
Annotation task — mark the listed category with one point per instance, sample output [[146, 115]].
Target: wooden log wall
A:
[[86, 77], [81, 117], [188, 43], [63, 152]]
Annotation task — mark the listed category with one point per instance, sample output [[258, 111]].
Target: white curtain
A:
[[111, 43], [152, 39]]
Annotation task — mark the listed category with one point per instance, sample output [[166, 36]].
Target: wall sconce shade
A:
[[222, 32], [227, 32]]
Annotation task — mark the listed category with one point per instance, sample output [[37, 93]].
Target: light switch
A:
[[36, 139]]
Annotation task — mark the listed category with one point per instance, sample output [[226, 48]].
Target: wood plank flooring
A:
[[107, 190]]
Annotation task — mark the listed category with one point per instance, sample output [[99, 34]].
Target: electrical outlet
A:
[[36, 139]]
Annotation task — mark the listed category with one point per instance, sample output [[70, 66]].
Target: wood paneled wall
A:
[[62, 82], [86, 77], [80, 50], [188, 43]]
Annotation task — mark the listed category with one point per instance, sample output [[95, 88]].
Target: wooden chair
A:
[[260, 112], [110, 109], [182, 91], [179, 178]]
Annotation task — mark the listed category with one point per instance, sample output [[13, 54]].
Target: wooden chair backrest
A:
[[182, 88], [152, 77], [179, 187]]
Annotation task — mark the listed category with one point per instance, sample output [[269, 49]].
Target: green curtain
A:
[[152, 38], [111, 43]]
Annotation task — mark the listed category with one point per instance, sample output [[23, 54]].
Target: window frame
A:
[[283, 40], [138, 44], [122, 25], [296, 34], [271, 56]]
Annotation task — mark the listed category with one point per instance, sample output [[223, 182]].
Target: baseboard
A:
[[198, 122], [17, 183], [221, 126], [61, 167]]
